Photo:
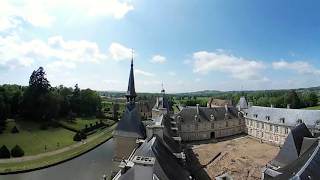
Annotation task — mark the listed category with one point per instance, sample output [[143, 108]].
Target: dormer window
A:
[[299, 121], [282, 120], [268, 118], [212, 117], [255, 115]]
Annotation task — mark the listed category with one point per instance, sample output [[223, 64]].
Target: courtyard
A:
[[241, 157]]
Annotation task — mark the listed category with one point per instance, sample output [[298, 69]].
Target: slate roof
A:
[[291, 148], [162, 102], [291, 116], [166, 166], [299, 158], [243, 104], [188, 113], [130, 124]]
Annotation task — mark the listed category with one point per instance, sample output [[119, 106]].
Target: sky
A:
[[186, 45]]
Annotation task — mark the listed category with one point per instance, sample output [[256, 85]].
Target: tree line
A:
[[40, 101], [277, 98]]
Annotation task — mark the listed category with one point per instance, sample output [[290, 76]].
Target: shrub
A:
[[77, 137], [4, 152], [83, 135], [14, 130], [17, 151]]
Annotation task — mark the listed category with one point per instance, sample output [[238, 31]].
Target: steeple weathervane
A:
[[131, 92]]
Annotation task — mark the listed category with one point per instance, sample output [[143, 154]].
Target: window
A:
[[276, 129], [271, 128], [268, 118], [299, 121], [258, 125], [211, 117], [262, 125], [250, 122], [276, 138], [262, 134], [255, 115], [282, 120], [286, 130]]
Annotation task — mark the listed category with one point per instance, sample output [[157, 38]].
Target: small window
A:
[[258, 125], [268, 118], [262, 134], [212, 125], [276, 129], [299, 121], [262, 125], [282, 120], [286, 130], [255, 115], [271, 128]]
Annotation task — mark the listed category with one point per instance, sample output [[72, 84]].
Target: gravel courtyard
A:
[[241, 157]]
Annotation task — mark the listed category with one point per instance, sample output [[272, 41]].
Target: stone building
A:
[[273, 125], [199, 123], [130, 127]]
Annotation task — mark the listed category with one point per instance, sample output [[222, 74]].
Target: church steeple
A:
[[131, 92]]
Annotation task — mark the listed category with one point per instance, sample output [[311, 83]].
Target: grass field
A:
[[92, 141], [33, 140], [313, 108]]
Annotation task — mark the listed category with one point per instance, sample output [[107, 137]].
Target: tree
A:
[[293, 99], [75, 100], [35, 102], [17, 151], [313, 99], [4, 152]]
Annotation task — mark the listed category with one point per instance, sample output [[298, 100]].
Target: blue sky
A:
[[188, 45]]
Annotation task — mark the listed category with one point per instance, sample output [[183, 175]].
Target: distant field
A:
[[33, 140], [313, 108]]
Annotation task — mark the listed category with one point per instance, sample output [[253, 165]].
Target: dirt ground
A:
[[241, 157]]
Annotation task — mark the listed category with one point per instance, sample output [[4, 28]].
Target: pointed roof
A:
[[292, 146], [243, 104], [131, 92], [130, 124]]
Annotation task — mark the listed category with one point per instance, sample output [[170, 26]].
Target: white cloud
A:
[[57, 51], [143, 73], [237, 67], [41, 13], [119, 52], [158, 59], [301, 67]]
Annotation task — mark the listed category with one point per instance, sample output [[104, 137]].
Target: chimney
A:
[[288, 106], [250, 104], [271, 106], [197, 109]]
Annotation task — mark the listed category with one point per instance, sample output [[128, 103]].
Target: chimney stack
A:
[[197, 109]]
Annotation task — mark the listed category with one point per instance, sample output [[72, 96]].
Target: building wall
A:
[[123, 147], [267, 132], [210, 129]]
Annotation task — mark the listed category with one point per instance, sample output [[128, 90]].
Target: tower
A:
[[130, 127]]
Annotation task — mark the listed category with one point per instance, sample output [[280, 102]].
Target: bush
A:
[[4, 152], [77, 137], [17, 151], [14, 130]]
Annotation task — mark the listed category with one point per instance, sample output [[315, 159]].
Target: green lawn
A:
[[313, 108], [98, 138], [33, 140]]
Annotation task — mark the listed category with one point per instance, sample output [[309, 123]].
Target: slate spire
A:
[[131, 92]]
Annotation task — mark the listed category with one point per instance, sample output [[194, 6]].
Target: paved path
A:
[[58, 151]]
